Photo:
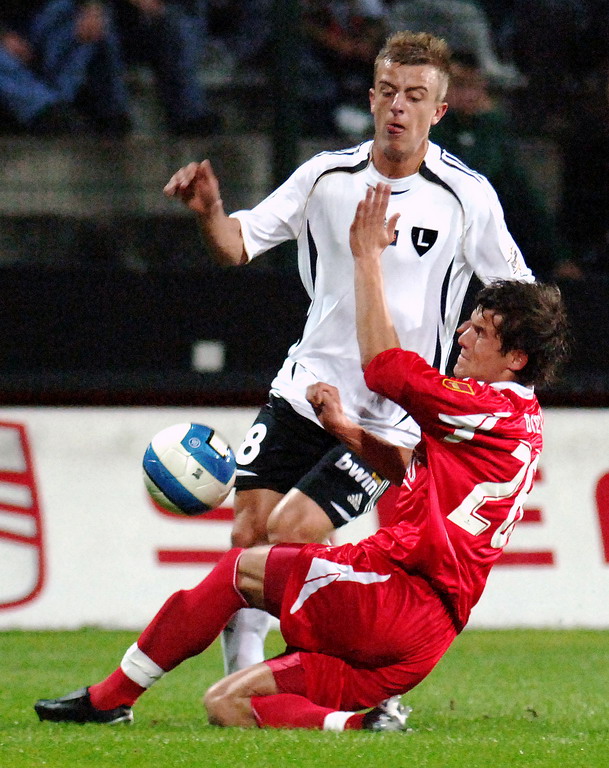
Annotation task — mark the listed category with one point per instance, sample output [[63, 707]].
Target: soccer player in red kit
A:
[[368, 621]]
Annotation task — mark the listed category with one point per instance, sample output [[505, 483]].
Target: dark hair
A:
[[533, 320], [414, 48]]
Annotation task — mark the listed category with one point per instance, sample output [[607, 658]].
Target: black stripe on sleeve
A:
[[435, 179], [313, 255]]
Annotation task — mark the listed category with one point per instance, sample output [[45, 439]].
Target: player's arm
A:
[[197, 187], [369, 235], [388, 460]]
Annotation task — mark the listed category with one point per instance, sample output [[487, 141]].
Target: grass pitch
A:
[[500, 699]]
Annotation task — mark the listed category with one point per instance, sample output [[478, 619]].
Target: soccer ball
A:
[[189, 469]]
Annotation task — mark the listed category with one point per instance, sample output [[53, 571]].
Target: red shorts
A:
[[358, 628]]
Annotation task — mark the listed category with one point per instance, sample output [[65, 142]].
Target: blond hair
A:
[[415, 48]]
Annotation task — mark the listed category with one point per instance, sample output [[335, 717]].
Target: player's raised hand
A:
[[196, 185], [370, 232]]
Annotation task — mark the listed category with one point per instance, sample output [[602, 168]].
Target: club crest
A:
[[423, 239]]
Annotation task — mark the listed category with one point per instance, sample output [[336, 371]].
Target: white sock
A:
[[243, 639], [335, 721]]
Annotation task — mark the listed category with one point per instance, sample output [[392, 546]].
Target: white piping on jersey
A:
[[454, 162], [467, 424], [347, 151]]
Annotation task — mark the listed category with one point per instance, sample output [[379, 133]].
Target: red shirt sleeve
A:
[[407, 379], [390, 372]]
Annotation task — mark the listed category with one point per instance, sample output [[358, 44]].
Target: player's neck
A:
[[394, 164]]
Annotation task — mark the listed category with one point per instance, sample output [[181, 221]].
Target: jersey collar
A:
[[520, 389], [405, 184]]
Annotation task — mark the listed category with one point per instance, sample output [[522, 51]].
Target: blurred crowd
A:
[[523, 69], [64, 64]]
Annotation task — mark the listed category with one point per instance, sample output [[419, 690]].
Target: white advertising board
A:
[[81, 544]]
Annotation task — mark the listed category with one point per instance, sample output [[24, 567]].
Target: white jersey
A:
[[451, 226]]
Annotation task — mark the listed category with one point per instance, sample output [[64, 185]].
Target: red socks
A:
[[289, 710], [188, 622], [191, 619], [117, 690]]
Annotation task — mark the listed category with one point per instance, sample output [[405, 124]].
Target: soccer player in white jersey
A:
[[295, 482], [366, 622]]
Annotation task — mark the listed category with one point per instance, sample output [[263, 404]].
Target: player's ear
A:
[[440, 112], [517, 360]]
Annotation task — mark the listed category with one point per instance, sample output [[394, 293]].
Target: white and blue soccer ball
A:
[[189, 469]]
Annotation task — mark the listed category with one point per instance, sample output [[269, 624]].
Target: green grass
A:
[[500, 699]]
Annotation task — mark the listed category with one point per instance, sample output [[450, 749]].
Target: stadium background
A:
[[115, 323]]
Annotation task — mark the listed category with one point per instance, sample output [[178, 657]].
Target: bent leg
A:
[[272, 695], [228, 702], [188, 622], [251, 698], [261, 580], [244, 636]]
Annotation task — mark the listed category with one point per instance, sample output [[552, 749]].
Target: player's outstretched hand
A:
[[197, 187], [370, 232], [325, 401]]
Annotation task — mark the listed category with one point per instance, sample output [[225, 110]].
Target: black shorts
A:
[[284, 450]]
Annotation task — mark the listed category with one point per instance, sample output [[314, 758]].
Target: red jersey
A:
[[465, 487]]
